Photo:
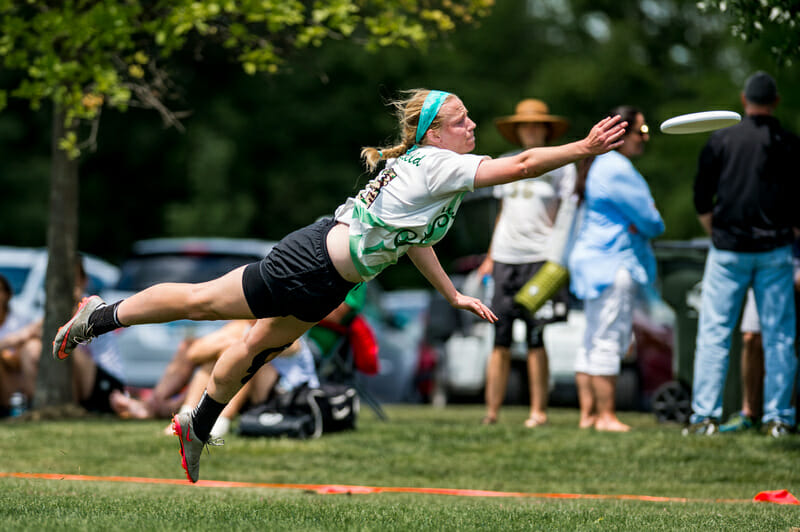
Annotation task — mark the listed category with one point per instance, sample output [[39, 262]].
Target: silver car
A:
[[25, 269]]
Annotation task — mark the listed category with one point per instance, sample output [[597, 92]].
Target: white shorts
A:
[[750, 322], [609, 327]]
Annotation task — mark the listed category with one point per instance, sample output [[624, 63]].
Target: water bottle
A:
[[17, 404], [487, 288]]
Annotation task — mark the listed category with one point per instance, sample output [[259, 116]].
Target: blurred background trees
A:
[[262, 155]]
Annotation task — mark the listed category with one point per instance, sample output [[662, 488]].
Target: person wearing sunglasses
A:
[[611, 267]]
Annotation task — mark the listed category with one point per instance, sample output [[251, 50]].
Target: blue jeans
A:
[[727, 276]]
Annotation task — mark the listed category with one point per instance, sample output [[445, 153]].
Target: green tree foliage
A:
[[775, 22], [82, 55]]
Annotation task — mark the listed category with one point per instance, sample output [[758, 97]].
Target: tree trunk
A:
[[54, 381]]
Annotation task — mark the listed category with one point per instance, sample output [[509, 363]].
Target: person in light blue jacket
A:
[[610, 265]]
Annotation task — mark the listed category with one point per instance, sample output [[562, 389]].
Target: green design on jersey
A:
[[401, 238]]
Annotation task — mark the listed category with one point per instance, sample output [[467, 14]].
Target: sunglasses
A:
[[644, 130]]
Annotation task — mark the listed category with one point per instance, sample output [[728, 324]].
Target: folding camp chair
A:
[[338, 365]]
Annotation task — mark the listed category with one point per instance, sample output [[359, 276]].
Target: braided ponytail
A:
[[408, 112]]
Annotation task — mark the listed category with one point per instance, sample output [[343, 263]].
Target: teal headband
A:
[[430, 108]]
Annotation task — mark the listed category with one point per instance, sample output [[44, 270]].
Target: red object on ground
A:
[[777, 497]]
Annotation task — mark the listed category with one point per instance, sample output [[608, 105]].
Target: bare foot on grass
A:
[[536, 420], [128, 407], [611, 425]]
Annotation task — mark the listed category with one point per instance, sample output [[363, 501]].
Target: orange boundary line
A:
[[348, 489]]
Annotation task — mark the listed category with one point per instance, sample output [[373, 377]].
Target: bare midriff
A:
[[338, 242]]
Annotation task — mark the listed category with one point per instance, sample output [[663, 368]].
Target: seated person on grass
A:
[[185, 378], [97, 368]]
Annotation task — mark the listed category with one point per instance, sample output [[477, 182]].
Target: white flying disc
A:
[[699, 122]]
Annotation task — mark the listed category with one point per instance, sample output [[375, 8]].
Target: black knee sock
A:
[[205, 415], [104, 319]]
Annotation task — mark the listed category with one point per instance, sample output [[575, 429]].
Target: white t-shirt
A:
[[526, 219], [296, 369], [105, 353], [411, 202]]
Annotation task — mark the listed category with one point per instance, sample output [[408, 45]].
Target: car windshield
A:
[[16, 275], [144, 271]]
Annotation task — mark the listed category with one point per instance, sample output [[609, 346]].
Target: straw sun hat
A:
[[528, 111]]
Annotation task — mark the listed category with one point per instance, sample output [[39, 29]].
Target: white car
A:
[[147, 349], [25, 269]]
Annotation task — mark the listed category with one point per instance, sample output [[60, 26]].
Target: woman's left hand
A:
[[606, 135], [474, 305]]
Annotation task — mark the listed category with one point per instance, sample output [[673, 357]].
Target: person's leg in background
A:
[[609, 324], [507, 279], [167, 397], [538, 385], [725, 280], [752, 367], [84, 373], [796, 263], [752, 375], [613, 334], [774, 291], [497, 368], [583, 383]]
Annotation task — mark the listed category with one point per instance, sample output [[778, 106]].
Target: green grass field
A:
[[711, 479]]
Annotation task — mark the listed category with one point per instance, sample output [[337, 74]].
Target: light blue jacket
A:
[[617, 197]]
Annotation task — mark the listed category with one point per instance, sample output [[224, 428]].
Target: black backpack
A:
[[303, 413]]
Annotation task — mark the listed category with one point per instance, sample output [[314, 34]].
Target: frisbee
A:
[[699, 122]]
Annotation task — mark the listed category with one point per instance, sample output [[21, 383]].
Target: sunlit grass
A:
[[418, 447]]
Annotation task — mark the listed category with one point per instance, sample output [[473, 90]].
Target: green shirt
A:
[[326, 339]]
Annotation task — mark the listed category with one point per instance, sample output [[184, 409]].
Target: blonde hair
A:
[[408, 112]]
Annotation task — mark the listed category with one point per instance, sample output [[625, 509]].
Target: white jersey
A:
[[411, 202], [529, 209]]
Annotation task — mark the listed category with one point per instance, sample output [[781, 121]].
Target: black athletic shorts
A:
[[508, 280], [104, 384], [297, 277]]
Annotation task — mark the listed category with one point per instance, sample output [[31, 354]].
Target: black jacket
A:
[[748, 178]]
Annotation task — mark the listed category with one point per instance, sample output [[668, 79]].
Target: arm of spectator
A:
[[631, 195], [16, 339]]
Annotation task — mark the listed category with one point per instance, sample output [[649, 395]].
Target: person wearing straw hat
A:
[[405, 209], [518, 250]]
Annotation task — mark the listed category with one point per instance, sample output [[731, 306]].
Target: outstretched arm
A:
[[424, 258], [605, 136]]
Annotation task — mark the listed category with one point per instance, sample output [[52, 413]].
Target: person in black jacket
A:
[[745, 195]]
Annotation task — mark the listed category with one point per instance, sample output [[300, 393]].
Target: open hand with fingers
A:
[[474, 305], [606, 135]]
